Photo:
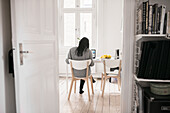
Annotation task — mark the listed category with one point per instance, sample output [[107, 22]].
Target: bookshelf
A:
[[154, 33], [140, 37], [151, 36]]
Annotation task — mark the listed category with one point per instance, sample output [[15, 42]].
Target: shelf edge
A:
[[149, 80]]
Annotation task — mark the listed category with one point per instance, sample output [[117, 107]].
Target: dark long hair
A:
[[83, 45]]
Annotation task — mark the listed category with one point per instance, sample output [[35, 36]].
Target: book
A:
[[158, 58], [148, 70], [165, 24], [154, 65], [163, 11], [154, 18], [158, 21], [168, 24], [161, 66], [150, 20], [146, 17], [139, 19], [164, 60], [141, 61], [144, 59], [167, 73]]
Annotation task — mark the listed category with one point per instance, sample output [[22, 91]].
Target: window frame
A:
[[77, 10]]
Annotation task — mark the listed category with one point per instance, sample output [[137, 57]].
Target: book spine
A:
[[168, 24], [147, 18], [158, 21], [165, 24], [139, 20], [156, 18], [162, 18], [144, 18], [153, 19], [150, 20]]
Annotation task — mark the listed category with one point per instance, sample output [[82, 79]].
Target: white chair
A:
[[111, 63], [80, 65]]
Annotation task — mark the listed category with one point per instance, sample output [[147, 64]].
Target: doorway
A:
[[109, 38], [102, 44]]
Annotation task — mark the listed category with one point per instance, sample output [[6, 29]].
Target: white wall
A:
[[7, 97], [109, 30], [109, 26]]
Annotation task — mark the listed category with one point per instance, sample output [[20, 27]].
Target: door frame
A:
[[127, 62], [128, 36], [13, 26]]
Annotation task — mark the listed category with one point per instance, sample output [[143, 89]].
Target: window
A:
[[78, 19], [86, 26], [69, 29], [69, 3], [86, 3]]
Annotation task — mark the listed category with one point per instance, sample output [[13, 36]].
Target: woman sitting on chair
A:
[[82, 52]]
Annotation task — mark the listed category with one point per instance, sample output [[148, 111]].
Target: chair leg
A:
[[70, 89], [88, 89], [104, 86], [101, 82], [119, 83], [75, 87], [92, 84]]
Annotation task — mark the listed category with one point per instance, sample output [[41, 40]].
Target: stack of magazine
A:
[[155, 60], [153, 19]]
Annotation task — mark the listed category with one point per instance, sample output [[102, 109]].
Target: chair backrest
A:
[[111, 63], [80, 64]]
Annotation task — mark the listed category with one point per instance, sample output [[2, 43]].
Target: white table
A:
[[96, 60]]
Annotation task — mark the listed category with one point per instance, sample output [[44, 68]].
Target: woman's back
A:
[[85, 56]]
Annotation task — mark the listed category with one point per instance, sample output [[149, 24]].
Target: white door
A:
[[34, 29]]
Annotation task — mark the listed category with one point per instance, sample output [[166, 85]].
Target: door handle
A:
[[21, 53], [24, 52]]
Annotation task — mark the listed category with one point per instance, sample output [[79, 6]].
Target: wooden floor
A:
[[110, 103]]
